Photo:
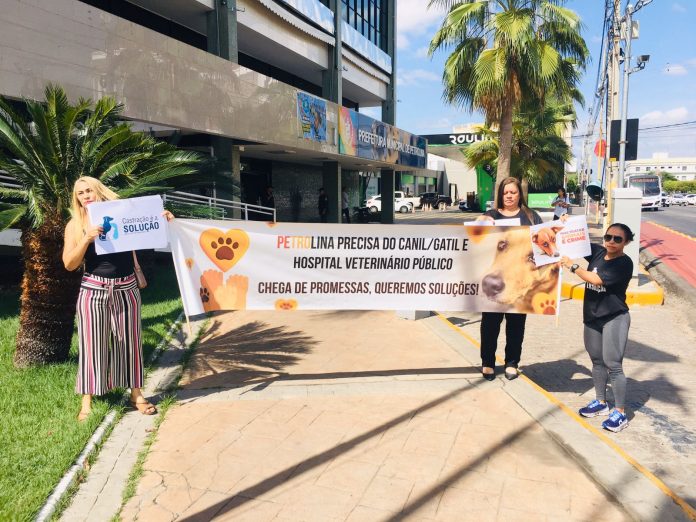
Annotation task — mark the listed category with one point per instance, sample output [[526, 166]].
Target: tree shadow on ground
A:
[[558, 376], [246, 354], [237, 499]]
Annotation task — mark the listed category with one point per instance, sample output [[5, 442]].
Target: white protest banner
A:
[[509, 222], [552, 240], [129, 224], [225, 265]]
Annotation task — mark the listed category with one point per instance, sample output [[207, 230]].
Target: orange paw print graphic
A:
[[223, 295], [225, 249], [544, 303], [286, 304]]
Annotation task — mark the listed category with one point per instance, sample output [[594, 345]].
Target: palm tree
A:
[[45, 147], [520, 49], [539, 152]]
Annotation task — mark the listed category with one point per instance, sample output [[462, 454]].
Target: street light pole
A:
[[624, 101]]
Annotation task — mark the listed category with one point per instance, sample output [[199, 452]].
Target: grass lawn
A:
[[39, 433]]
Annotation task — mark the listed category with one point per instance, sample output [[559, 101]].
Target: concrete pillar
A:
[[222, 30], [387, 192], [389, 104], [237, 179], [332, 78], [627, 205], [332, 185]]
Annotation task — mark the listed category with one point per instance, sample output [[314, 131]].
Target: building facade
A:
[[683, 169], [271, 88]]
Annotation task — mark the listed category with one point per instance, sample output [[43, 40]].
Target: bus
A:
[[651, 186]]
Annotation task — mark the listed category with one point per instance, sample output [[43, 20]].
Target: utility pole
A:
[[628, 25], [613, 100]]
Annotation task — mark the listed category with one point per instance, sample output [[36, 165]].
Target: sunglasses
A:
[[617, 239]]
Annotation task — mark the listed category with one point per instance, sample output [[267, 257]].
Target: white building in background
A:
[[683, 169]]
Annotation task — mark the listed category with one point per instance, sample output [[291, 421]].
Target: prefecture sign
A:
[[285, 266], [129, 224], [365, 137]]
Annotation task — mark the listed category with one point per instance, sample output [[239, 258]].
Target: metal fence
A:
[[184, 204]]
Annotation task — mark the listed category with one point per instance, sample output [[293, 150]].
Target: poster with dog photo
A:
[[552, 240]]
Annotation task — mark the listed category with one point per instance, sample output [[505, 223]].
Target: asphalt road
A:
[[681, 219]]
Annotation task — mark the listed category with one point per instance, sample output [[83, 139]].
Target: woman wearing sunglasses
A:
[[606, 320]]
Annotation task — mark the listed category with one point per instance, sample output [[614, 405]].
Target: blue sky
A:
[[661, 94]]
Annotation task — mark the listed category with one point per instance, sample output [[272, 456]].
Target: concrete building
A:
[[684, 169], [455, 178], [271, 88]]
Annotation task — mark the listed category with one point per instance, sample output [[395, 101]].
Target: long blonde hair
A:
[[79, 214]]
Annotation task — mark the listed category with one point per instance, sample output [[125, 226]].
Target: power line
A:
[[643, 129]]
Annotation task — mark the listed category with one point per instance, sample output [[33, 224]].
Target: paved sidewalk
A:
[[660, 368], [353, 416]]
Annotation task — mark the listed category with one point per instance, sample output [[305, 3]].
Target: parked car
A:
[[374, 204], [690, 199], [435, 200], [464, 207], [678, 200]]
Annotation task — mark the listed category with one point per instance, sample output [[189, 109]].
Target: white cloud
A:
[[675, 69], [415, 77], [434, 126], [691, 62], [678, 8], [596, 39], [677, 115], [415, 19], [422, 52]]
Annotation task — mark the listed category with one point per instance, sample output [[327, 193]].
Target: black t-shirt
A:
[[604, 302], [115, 265], [522, 215]]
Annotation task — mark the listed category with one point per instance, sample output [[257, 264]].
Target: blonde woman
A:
[[108, 307]]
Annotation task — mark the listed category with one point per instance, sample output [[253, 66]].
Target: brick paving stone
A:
[[376, 451]]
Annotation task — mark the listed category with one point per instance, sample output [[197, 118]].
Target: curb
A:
[[49, 507], [639, 493]]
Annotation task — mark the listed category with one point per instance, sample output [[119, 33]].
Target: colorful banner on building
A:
[[347, 132], [311, 113], [223, 265], [129, 224], [365, 137]]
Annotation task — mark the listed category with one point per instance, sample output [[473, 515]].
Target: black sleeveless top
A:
[[115, 265]]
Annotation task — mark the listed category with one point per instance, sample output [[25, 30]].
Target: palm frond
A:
[[11, 216]]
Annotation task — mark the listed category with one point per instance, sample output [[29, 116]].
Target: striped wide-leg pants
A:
[[109, 332]]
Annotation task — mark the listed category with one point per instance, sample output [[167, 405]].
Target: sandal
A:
[[82, 416], [145, 407]]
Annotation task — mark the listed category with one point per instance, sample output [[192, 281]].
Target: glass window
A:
[[368, 18]]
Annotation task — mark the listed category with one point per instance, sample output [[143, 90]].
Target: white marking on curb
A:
[[63, 486]]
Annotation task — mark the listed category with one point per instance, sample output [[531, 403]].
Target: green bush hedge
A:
[[685, 187]]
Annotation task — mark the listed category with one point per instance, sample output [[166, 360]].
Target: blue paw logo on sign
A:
[[108, 226]]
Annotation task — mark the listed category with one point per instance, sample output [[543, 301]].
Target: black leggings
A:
[[514, 335]]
